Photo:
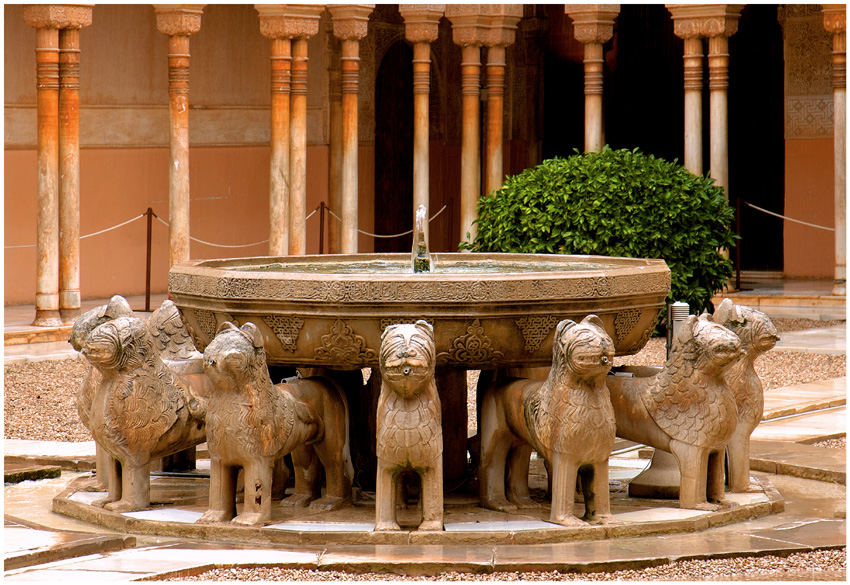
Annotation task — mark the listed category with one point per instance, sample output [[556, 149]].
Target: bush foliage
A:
[[615, 203]]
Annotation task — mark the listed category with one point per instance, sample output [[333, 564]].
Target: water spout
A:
[[420, 256]]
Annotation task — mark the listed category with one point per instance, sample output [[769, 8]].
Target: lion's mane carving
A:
[[409, 428], [567, 419], [252, 423], [757, 335], [140, 409], [686, 409]]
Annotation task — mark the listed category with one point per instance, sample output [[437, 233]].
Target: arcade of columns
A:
[[288, 27]]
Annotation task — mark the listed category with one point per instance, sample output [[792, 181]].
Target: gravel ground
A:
[[837, 443], [801, 324], [819, 565]]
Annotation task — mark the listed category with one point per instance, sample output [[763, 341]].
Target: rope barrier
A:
[[785, 217], [370, 234], [200, 241], [103, 231]]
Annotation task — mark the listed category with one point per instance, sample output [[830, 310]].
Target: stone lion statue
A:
[[686, 409], [252, 423], [757, 335], [567, 419], [85, 324], [140, 409], [409, 428]]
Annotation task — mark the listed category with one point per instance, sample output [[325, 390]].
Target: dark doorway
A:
[[394, 148], [757, 134]]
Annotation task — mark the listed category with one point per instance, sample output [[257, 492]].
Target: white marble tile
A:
[[166, 515], [324, 526], [659, 514], [506, 526]]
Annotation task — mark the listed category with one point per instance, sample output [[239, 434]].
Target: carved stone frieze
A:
[[58, 15], [705, 20], [178, 19], [535, 329], [350, 21], [387, 321], [592, 23], [341, 345], [289, 20], [808, 57], [207, 322], [286, 328], [422, 21], [474, 347], [625, 321], [808, 117]]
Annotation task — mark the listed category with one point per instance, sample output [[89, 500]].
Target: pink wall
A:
[[809, 196], [229, 205]]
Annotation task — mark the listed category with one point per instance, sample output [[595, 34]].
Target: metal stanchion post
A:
[[322, 227], [149, 214]]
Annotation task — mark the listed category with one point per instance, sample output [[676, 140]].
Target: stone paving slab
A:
[[799, 460], [26, 546], [824, 423], [829, 340], [18, 472], [807, 397]]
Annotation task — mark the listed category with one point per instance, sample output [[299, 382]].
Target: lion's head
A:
[[235, 356], [119, 345], [706, 344], [583, 349], [407, 356], [753, 328], [85, 323]]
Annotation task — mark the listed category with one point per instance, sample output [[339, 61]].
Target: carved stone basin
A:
[[488, 310]]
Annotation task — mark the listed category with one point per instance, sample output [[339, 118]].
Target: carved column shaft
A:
[[335, 146], [693, 57], [835, 22], [421, 113], [495, 109], [178, 175], [47, 241], [718, 83], [281, 69], [593, 122], [69, 174], [298, 149], [350, 91], [470, 161]]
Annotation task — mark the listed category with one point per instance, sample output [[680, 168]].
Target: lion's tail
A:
[[346, 449]]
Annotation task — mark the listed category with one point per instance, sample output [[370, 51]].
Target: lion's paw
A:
[[327, 503], [297, 500], [122, 506], [249, 519], [431, 526], [211, 516], [569, 521], [386, 526]]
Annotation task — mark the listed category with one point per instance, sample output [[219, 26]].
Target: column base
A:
[[839, 288], [47, 318], [69, 315], [660, 480]]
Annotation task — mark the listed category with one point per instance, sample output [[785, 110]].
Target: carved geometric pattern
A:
[[387, 321], [286, 329], [535, 329], [625, 321], [342, 346], [808, 56], [473, 348], [207, 322], [808, 117]]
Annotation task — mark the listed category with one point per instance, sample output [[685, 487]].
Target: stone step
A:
[[18, 472]]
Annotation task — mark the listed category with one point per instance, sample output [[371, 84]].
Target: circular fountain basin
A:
[[488, 310]]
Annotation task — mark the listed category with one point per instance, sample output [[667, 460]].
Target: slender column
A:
[[281, 63], [421, 27], [69, 174], [335, 145], [593, 25], [495, 108], [298, 149], [834, 19], [470, 161], [47, 241], [350, 90], [178, 22], [718, 83], [693, 58], [350, 22]]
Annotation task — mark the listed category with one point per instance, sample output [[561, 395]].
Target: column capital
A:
[[592, 23], [834, 18], [351, 21], [58, 15], [178, 19], [483, 24], [280, 21], [705, 20], [421, 21]]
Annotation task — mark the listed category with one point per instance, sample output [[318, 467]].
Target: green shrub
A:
[[615, 203]]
